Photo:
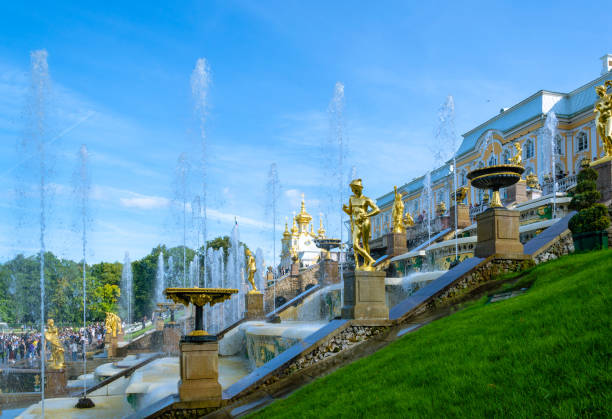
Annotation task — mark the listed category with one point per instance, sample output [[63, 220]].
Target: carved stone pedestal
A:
[[159, 324], [603, 167], [111, 346], [396, 244], [56, 382], [172, 337], [364, 296], [463, 215], [199, 363], [254, 305], [498, 233], [328, 272]]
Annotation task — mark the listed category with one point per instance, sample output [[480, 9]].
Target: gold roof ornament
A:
[[603, 110], [286, 233], [294, 229], [321, 231], [303, 218]]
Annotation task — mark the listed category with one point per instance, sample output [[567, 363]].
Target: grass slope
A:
[[547, 352]]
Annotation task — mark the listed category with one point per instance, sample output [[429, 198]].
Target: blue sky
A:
[[120, 84]]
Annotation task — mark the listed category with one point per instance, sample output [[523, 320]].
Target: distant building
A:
[[300, 240]]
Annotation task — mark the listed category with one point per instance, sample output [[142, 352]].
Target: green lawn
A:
[[547, 352]]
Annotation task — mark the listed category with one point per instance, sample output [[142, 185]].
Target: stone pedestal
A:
[[364, 296], [396, 244], [199, 365], [295, 269], [517, 192], [328, 273], [498, 232], [603, 167], [171, 336], [56, 382], [463, 216], [254, 305], [111, 346], [159, 324]]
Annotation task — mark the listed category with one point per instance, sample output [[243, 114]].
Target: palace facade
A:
[[577, 139]]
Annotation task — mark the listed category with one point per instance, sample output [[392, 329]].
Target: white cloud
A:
[[145, 202]]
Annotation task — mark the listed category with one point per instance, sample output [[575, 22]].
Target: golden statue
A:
[[460, 193], [251, 269], [518, 157], [441, 208], [532, 181], [112, 323], [603, 109], [397, 213], [57, 349], [357, 209], [294, 255], [408, 220]]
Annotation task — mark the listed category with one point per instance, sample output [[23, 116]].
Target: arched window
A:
[[463, 178], [529, 152], [492, 160], [582, 141], [559, 144], [507, 157], [480, 165]]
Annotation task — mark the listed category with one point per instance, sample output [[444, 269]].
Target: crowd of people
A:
[[26, 346]]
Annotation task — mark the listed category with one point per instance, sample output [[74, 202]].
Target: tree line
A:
[[20, 285]]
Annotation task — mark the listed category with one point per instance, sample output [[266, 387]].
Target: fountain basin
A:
[[496, 177]]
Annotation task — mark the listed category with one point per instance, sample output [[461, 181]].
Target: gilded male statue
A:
[[57, 349], [397, 213], [112, 323], [357, 209], [251, 269], [408, 220], [603, 109]]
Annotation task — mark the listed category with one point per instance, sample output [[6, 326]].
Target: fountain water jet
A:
[[550, 126], [125, 301], [160, 279], [273, 194]]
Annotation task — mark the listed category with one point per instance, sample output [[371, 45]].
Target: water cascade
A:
[[550, 126], [426, 197], [125, 299], [200, 82], [160, 279]]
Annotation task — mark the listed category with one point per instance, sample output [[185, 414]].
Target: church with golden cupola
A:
[[298, 243]]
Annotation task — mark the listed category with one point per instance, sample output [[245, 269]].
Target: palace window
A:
[[492, 161], [582, 141], [559, 144], [507, 157], [529, 152], [463, 178]]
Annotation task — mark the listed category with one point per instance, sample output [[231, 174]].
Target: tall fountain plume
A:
[[551, 128], [427, 204], [446, 136], [35, 144], [160, 279], [336, 113], [273, 195], [82, 191], [200, 83], [125, 299], [181, 202]]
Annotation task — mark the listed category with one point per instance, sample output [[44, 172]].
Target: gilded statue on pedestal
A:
[[112, 323], [408, 220], [57, 349], [532, 181], [251, 269], [603, 109], [518, 157], [397, 213], [357, 209]]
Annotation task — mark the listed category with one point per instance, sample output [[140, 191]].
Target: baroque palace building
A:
[[576, 139]]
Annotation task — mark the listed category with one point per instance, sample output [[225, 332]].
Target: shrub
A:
[[591, 216]]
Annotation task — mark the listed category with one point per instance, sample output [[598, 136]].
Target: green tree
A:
[[591, 216]]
